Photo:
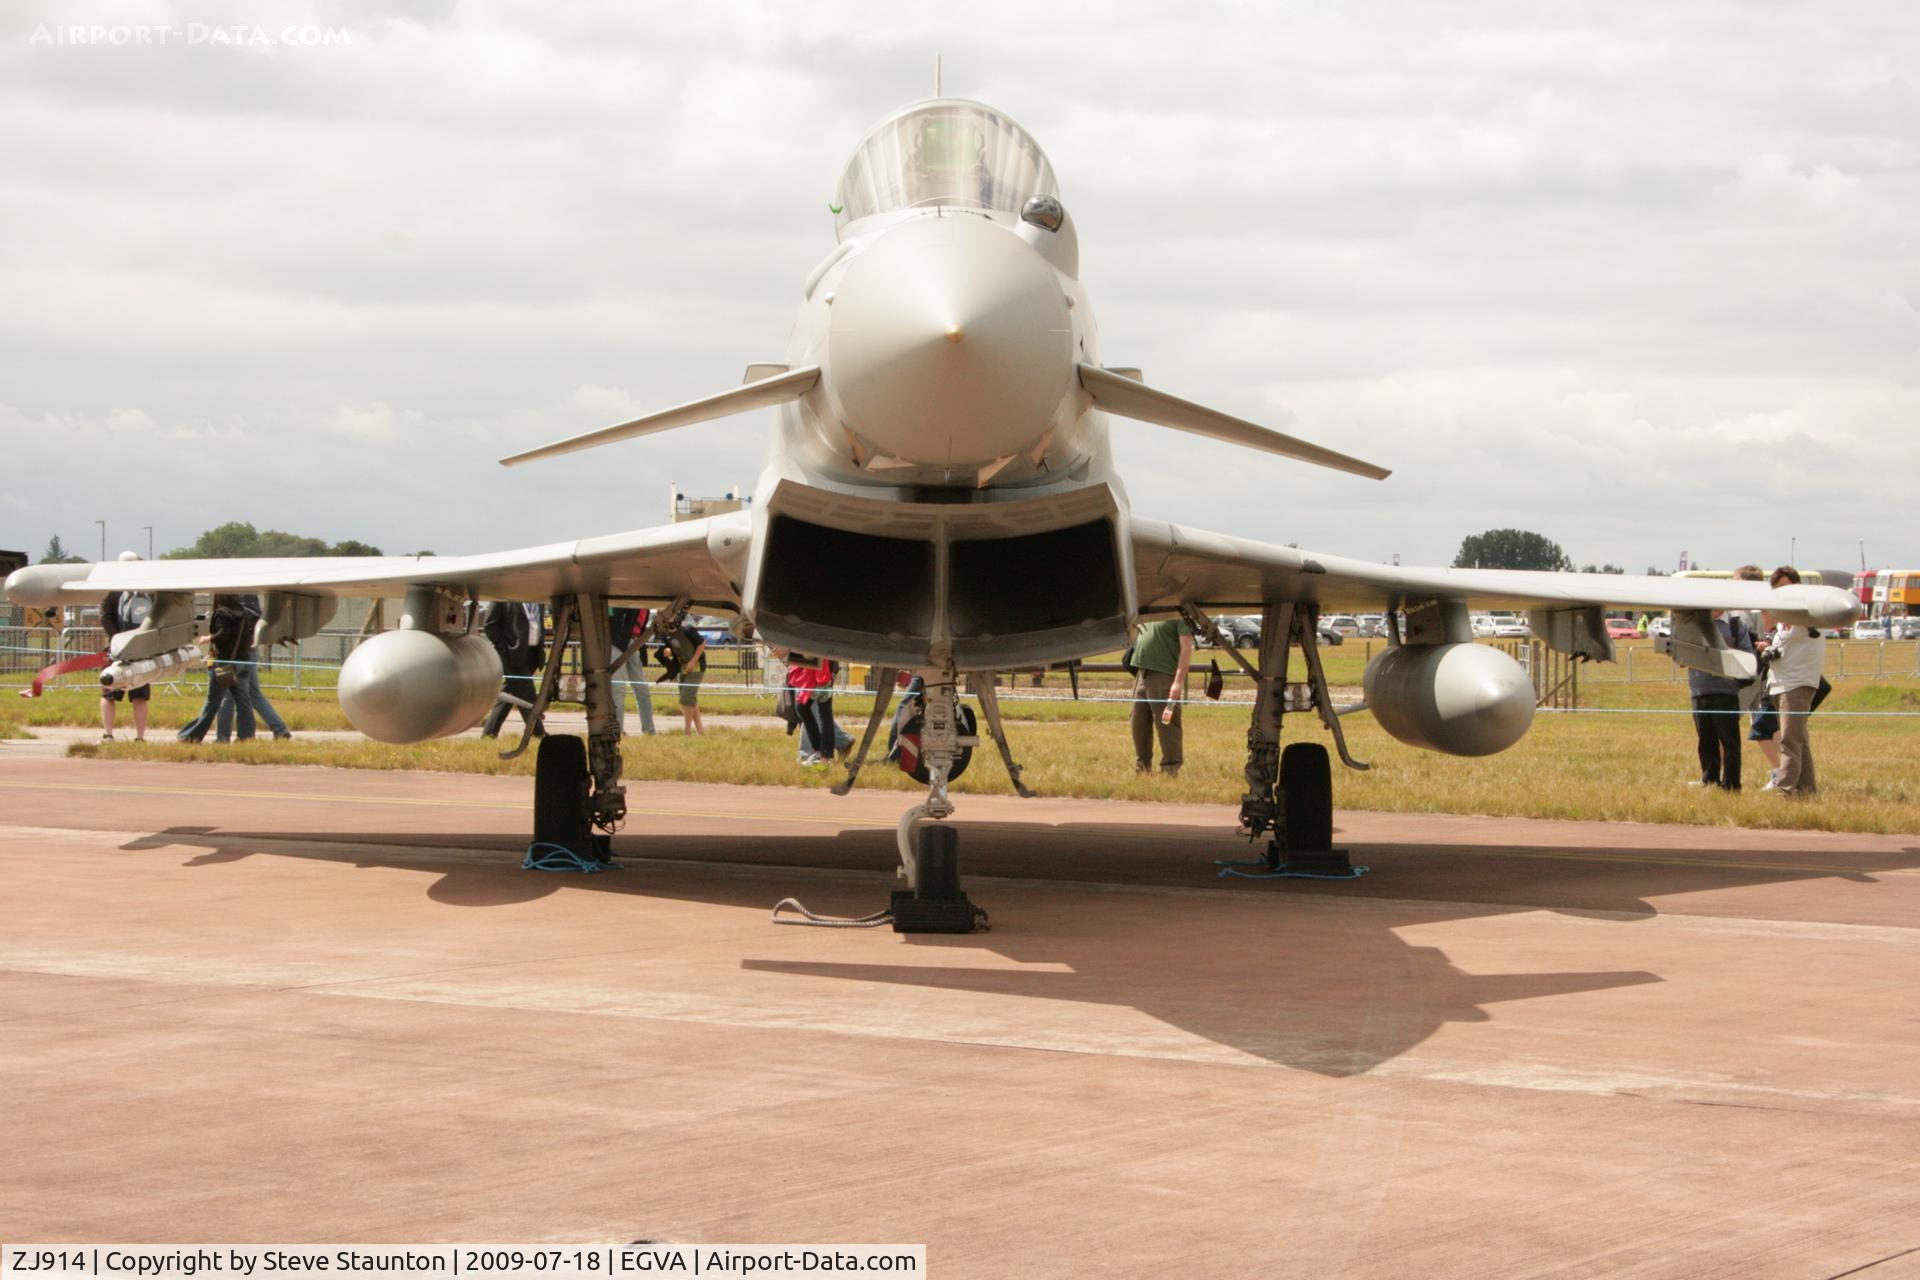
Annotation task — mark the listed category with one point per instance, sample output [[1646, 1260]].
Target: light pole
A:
[[103, 538], [149, 529], [1793, 552]]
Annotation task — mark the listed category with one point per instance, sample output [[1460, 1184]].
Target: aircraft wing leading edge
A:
[[1175, 565], [700, 559]]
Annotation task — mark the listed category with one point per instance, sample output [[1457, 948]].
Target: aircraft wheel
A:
[[560, 789], [909, 742], [1306, 792]]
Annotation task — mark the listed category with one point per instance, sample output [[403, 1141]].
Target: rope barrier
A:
[[1011, 694]]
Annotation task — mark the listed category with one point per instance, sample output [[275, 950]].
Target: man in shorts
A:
[[689, 651], [123, 611]]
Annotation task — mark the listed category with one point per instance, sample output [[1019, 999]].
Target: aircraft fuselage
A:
[[946, 488]]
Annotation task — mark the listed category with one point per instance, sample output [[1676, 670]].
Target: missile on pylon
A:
[[118, 677]]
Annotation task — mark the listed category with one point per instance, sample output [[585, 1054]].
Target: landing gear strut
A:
[[1290, 793], [578, 798], [933, 901]]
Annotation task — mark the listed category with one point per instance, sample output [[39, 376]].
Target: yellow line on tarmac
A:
[[1658, 860], [1545, 855], [433, 804]]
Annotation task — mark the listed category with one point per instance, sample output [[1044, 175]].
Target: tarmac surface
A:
[[293, 1004]]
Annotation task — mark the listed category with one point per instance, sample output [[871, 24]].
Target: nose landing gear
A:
[[933, 901]]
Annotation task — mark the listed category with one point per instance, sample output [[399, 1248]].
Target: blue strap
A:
[[543, 856]]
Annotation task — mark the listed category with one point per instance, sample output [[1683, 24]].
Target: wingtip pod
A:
[[39, 586], [1824, 606], [1116, 392], [765, 393]]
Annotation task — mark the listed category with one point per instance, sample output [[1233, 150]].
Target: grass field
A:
[[1628, 758]]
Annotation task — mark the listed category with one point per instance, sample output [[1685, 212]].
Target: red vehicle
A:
[[1623, 629]]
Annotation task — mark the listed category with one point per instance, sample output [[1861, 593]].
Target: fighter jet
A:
[[940, 496]]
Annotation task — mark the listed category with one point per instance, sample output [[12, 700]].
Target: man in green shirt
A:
[[1162, 652]]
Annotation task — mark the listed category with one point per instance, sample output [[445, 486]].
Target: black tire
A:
[[560, 789], [1306, 796], [936, 853]]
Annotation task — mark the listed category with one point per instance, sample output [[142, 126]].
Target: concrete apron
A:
[[304, 1004]]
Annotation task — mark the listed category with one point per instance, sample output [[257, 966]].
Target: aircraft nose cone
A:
[[949, 343]]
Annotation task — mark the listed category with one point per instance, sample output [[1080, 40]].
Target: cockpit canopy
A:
[[944, 151]]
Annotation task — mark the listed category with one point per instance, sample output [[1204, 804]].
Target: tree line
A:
[[238, 540]]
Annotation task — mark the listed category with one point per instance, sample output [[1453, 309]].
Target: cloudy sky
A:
[[1642, 278]]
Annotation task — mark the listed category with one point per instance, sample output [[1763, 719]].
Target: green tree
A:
[[238, 540], [1601, 568], [58, 554], [1510, 549]]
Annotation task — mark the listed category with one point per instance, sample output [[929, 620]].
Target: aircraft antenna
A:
[[936, 75]]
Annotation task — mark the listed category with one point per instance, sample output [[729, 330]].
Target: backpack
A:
[[788, 709]]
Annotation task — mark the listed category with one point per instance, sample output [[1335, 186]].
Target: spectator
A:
[[1795, 657], [1716, 711], [247, 695], [517, 632], [685, 655], [123, 611], [629, 627], [1765, 716], [812, 682], [1162, 651], [227, 629]]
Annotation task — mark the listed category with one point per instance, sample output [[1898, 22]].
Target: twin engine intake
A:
[[1463, 699], [409, 686]]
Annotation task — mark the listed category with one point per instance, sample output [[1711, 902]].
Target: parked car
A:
[[1240, 630], [1243, 631], [713, 628], [1508, 626], [1328, 635], [1662, 626], [1623, 629], [1342, 624], [1871, 629], [1482, 624], [1907, 628]]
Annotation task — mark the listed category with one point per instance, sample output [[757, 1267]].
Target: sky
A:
[[1641, 278]]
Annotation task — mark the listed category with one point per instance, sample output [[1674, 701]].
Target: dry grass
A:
[[1598, 766], [310, 710]]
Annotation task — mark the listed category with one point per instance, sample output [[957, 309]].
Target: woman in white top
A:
[[1796, 657]]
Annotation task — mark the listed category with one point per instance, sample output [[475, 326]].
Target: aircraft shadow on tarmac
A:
[[1311, 975]]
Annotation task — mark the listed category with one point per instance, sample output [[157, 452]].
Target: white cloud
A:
[[1642, 279]]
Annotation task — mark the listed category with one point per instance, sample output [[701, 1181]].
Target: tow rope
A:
[[1278, 871], [873, 921]]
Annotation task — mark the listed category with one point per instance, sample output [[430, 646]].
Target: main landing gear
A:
[[578, 798], [1289, 795]]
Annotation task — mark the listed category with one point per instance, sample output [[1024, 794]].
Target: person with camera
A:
[[1795, 657], [124, 611], [227, 635], [1762, 713], [516, 630], [1716, 711]]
